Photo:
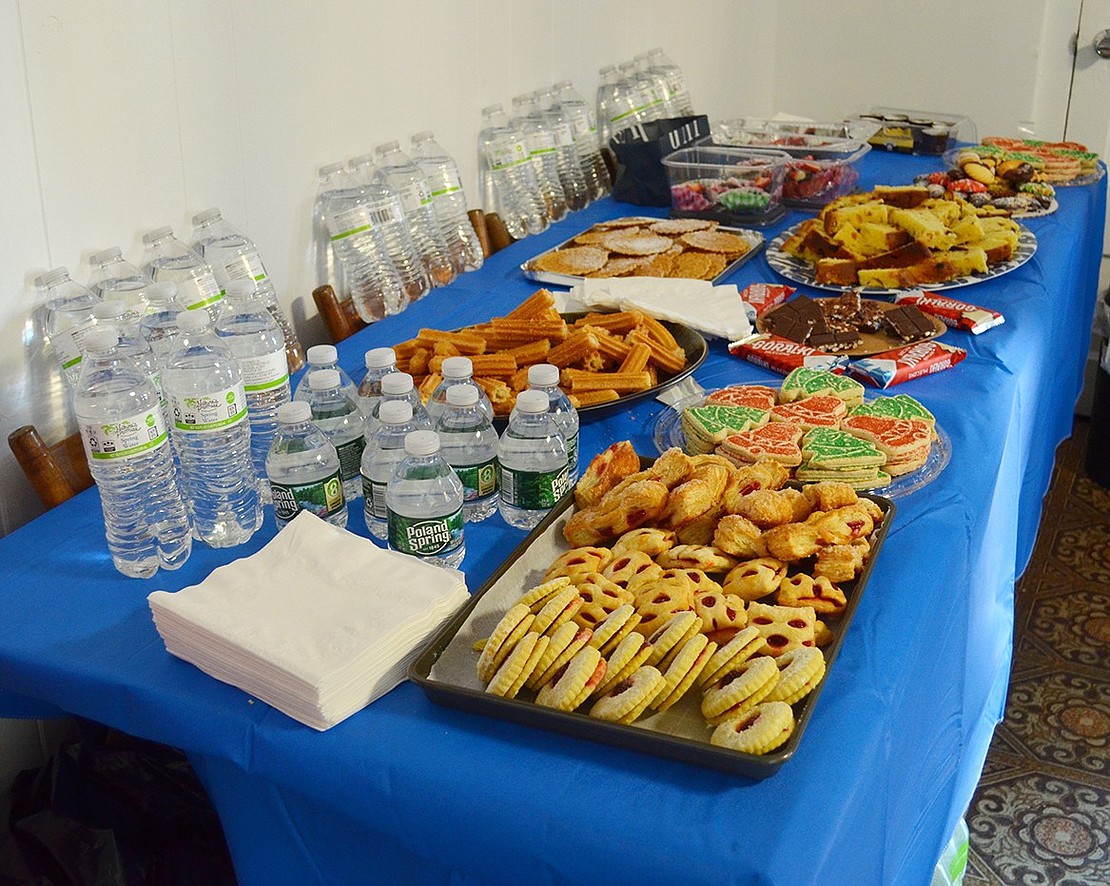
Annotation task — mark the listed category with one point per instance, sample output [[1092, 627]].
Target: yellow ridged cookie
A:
[[565, 643], [620, 623], [515, 669], [574, 682], [558, 610], [686, 665], [541, 593], [625, 702], [739, 689], [632, 652], [669, 635], [734, 653], [800, 670], [514, 624], [758, 731]]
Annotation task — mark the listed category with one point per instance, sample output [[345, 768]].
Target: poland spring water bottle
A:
[[167, 258], [545, 377], [68, 318], [379, 363], [532, 454], [323, 357], [113, 314], [211, 434], [124, 431], [542, 150], [425, 504], [568, 159], [385, 449], [336, 414], [469, 444], [159, 326], [302, 468], [326, 266], [506, 176], [113, 277], [396, 169], [456, 371], [233, 256], [584, 124], [255, 339], [399, 386], [448, 201]]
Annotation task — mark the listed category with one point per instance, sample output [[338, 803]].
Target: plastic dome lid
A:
[[532, 402], [395, 412], [192, 321], [105, 255], [109, 310], [457, 367], [462, 395], [294, 412], [206, 216], [396, 383], [103, 339], [323, 379], [51, 277], [318, 355], [380, 358], [543, 374], [421, 443], [157, 234]]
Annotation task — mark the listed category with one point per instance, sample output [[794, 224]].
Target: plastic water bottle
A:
[[618, 104], [424, 500], [676, 80], [211, 434], [469, 444], [379, 363], [124, 431], [385, 449], [324, 357], [113, 314], [399, 386], [234, 256], [568, 159], [255, 338], [167, 258], [448, 201], [336, 414], [456, 371], [113, 277], [656, 84], [68, 318], [584, 123], [302, 468], [325, 264], [545, 377], [159, 326], [533, 457], [651, 103], [506, 176], [395, 168], [356, 235], [542, 149]]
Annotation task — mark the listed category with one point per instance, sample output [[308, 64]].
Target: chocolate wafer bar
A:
[[908, 323]]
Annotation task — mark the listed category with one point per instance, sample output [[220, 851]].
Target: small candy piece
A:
[[957, 314], [908, 323], [906, 363], [783, 356]]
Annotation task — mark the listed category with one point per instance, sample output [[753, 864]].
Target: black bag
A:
[[641, 177]]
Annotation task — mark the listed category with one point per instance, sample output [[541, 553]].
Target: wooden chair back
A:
[[56, 473], [340, 317]]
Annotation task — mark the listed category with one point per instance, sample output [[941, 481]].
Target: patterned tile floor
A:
[[1041, 813]]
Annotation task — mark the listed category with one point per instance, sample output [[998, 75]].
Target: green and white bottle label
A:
[[322, 497], [127, 438], [214, 411], [264, 373], [479, 481], [350, 457], [373, 493], [572, 451], [534, 490], [426, 536]]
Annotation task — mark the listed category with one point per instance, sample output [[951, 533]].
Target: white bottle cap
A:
[[244, 287], [317, 355], [192, 321], [396, 383], [462, 395], [421, 443], [323, 379], [380, 358], [97, 340], [361, 160], [395, 412], [330, 169], [162, 293], [457, 367], [294, 412], [422, 135], [109, 310], [543, 374], [532, 402], [105, 255]]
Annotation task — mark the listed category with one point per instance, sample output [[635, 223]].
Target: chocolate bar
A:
[[909, 323]]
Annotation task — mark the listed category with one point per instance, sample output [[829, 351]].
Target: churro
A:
[[467, 343], [619, 323], [667, 360], [637, 359], [521, 331], [611, 347], [533, 352], [593, 398], [540, 303], [579, 380], [575, 349]]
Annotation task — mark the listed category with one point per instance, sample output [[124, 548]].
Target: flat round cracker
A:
[[716, 241], [691, 265], [637, 243], [674, 226], [575, 260], [620, 266], [595, 237]]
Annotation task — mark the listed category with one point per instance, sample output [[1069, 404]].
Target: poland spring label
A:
[[479, 481], [534, 490], [322, 497], [209, 412], [126, 438], [426, 536]]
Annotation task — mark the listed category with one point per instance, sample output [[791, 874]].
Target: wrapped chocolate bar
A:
[[759, 298], [905, 363], [782, 355], [957, 314]]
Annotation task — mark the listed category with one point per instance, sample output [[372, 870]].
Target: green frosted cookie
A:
[[897, 406], [833, 448], [803, 382], [706, 426]]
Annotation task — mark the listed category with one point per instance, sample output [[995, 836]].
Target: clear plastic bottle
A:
[[69, 317], [655, 83], [379, 363], [456, 371], [584, 123], [211, 434], [650, 105], [324, 357], [545, 377], [167, 258], [567, 156], [543, 151], [469, 444], [399, 386], [425, 504], [113, 314], [395, 168], [234, 256], [448, 201], [618, 104], [676, 79], [302, 468], [532, 454], [385, 449], [159, 326], [327, 267], [113, 277], [506, 176], [336, 414], [254, 337], [124, 431]]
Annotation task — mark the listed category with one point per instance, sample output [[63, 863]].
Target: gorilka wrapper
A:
[[905, 363], [759, 298], [783, 356], [951, 312]]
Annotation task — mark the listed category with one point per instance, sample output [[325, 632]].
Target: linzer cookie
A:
[[906, 363], [776, 440], [957, 314], [783, 356], [808, 382], [706, 426]]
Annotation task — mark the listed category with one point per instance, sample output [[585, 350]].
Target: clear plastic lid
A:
[[192, 321], [457, 367], [532, 402], [51, 277], [421, 443], [331, 169], [387, 147], [294, 412], [105, 256], [543, 374], [396, 383], [204, 217], [109, 310], [462, 395], [102, 339], [423, 135], [380, 358], [157, 234], [395, 412], [323, 379], [318, 355]]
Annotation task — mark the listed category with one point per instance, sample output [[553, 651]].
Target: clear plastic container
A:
[[167, 258], [735, 186], [337, 414], [449, 201], [910, 131], [385, 449], [857, 130]]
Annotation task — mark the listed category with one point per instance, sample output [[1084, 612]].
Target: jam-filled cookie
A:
[[758, 731], [684, 667], [516, 669], [574, 682], [739, 689], [627, 700]]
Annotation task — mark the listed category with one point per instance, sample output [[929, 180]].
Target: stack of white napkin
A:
[[318, 623], [712, 310]]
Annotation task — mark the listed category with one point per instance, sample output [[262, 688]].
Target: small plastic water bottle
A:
[[167, 258], [533, 457], [567, 156], [113, 277], [68, 318], [302, 468], [425, 504], [469, 444], [211, 434], [324, 357], [385, 449], [159, 326], [124, 431], [379, 363], [543, 152], [338, 416], [256, 340], [399, 386], [456, 371], [545, 377], [113, 314], [448, 201], [506, 176]]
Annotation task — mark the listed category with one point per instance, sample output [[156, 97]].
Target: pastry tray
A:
[[445, 667]]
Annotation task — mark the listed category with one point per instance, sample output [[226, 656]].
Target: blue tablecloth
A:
[[407, 791]]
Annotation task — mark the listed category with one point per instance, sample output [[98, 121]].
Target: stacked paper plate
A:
[[318, 623]]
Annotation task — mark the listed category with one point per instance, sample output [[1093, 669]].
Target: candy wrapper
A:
[[957, 314], [782, 355], [759, 298], [905, 363]]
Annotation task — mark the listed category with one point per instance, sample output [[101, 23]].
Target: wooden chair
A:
[[340, 317], [58, 472]]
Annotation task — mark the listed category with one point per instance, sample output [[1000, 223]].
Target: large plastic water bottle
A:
[[124, 431], [302, 468], [651, 102], [545, 377], [655, 82], [68, 318], [506, 176], [324, 357], [568, 158], [379, 363], [396, 168], [325, 264], [211, 433], [618, 104], [584, 123], [448, 201], [469, 444], [385, 449], [542, 149], [676, 79], [167, 258], [159, 326], [336, 414], [234, 256], [533, 457], [113, 277], [354, 228], [456, 371], [113, 314], [399, 386], [255, 338], [425, 504]]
